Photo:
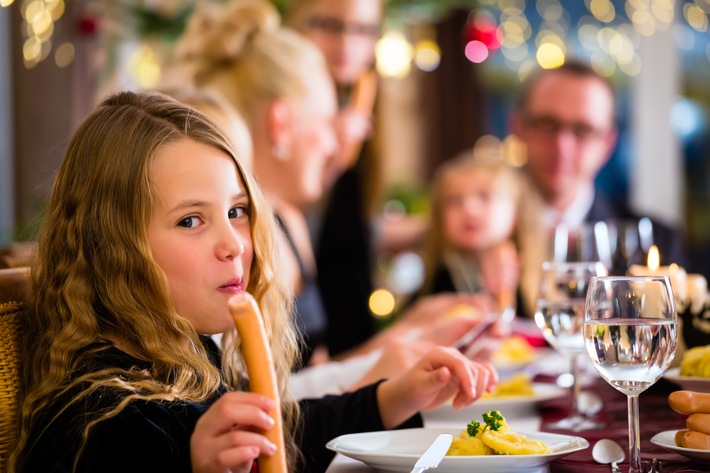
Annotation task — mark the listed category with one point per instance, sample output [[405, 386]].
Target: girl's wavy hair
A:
[[95, 274]]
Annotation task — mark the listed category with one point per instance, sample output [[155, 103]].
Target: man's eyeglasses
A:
[[549, 127], [336, 26]]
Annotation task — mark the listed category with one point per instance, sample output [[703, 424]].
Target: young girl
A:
[[152, 226], [470, 245]]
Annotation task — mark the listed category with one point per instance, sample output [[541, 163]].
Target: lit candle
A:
[[675, 273]]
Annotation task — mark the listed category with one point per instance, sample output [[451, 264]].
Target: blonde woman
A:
[[279, 81], [153, 225]]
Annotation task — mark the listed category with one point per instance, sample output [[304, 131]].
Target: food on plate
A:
[[692, 439], [689, 402], [494, 437], [260, 368], [517, 385], [698, 422], [696, 362], [463, 310], [696, 406], [513, 350]]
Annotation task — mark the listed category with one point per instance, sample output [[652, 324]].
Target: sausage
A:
[[689, 402], [698, 422], [691, 439], [262, 375]]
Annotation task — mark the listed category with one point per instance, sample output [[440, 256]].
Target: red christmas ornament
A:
[[484, 30], [87, 25]]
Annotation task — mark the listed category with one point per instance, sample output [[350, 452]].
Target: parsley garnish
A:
[[472, 428], [493, 419]]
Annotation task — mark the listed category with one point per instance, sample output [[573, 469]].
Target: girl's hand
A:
[[434, 306], [225, 439], [442, 374], [500, 269]]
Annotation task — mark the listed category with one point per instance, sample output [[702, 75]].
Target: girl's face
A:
[[477, 212], [199, 231]]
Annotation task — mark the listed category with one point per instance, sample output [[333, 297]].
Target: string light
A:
[[38, 18]]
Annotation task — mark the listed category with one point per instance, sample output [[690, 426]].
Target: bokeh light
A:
[[476, 51], [38, 17], [394, 55], [144, 66], [696, 17], [550, 56], [602, 10], [64, 55], [427, 55], [687, 118], [381, 303]]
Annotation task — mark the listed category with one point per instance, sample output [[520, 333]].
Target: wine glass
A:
[[559, 315], [588, 242], [630, 336], [630, 241]]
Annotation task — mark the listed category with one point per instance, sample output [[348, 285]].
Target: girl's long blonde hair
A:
[[95, 274]]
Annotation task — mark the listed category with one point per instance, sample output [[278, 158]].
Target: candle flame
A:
[[654, 259]]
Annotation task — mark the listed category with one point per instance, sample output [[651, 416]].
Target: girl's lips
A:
[[232, 287]]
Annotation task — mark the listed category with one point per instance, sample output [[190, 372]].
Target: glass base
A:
[[575, 424]]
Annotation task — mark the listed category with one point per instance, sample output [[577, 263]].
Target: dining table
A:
[[656, 416]]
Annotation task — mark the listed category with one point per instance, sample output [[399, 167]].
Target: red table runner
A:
[[655, 416]]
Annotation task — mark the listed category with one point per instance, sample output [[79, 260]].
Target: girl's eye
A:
[[189, 222], [237, 212]]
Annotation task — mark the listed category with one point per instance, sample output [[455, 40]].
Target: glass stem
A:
[[574, 368], [634, 437]]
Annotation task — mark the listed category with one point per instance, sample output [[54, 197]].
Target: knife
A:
[[434, 454]]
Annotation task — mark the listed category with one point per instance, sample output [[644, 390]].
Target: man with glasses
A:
[[565, 120]]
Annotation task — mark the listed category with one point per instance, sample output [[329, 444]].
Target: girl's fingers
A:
[[237, 408]]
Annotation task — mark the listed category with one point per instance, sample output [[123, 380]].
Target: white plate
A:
[[667, 440], [398, 451], [510, 406], [691, 383]]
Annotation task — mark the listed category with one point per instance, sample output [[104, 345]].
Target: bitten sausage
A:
[[691, 439], [689, 402], [262, 375], [698, 422]]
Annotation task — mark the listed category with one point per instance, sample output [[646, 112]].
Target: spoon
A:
[[589, 403], [608, 451]]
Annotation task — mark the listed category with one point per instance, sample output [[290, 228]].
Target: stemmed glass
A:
[[630, 337], [559, 315]]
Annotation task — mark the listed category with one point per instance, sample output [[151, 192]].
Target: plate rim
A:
[[656, 440], [576, 443], [671, 375]]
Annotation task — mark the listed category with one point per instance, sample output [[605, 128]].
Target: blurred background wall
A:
[[450, 72]]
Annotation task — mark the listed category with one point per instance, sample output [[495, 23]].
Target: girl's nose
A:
[[230, 245]]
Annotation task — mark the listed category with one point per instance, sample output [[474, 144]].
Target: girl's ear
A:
[[279, 128]]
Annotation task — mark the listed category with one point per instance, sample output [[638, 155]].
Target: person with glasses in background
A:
[[565, 120]]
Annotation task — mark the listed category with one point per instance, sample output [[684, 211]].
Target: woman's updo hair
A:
[[241, 50], [217, 35]]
